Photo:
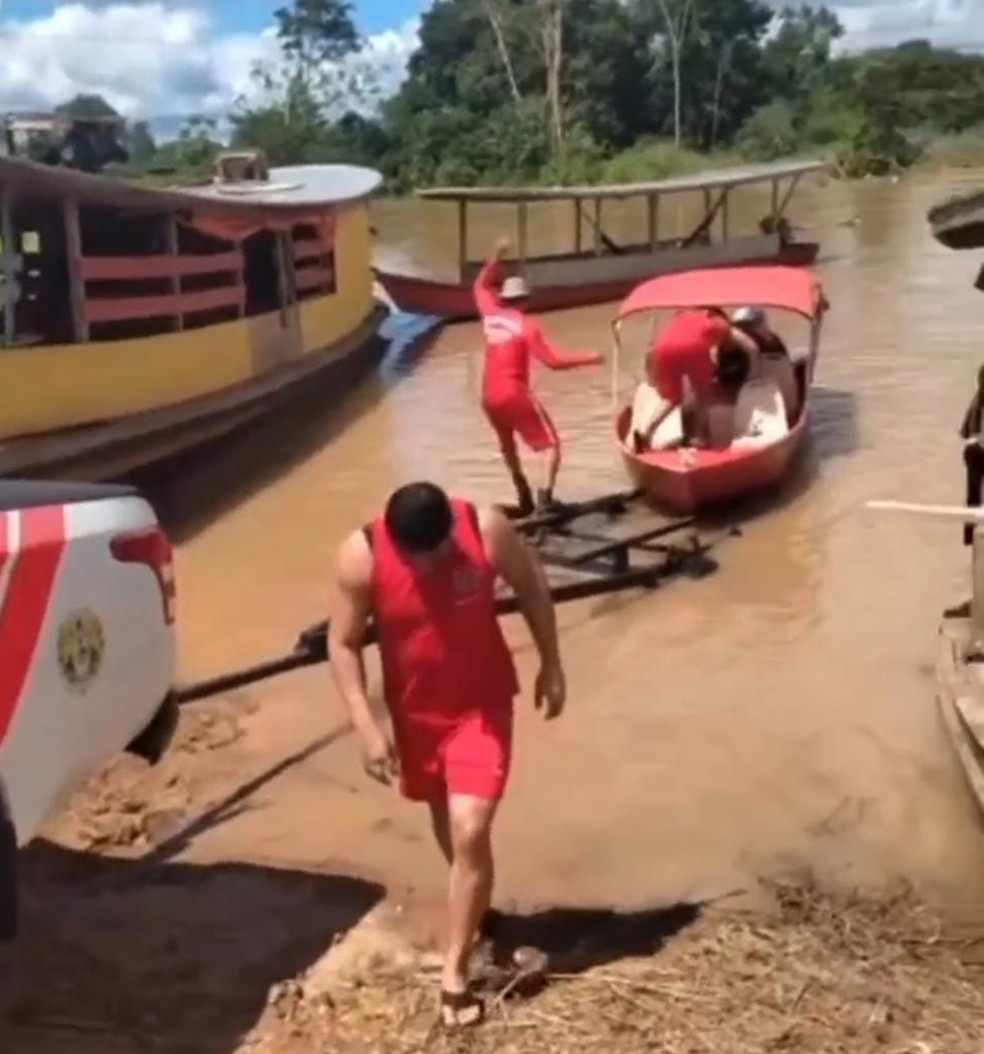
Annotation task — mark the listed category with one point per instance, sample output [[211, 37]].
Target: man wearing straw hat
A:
[[511, 338]]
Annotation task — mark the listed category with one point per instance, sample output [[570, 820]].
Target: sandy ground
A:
[[126, 947]]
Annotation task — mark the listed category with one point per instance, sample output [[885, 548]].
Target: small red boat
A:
[[601, 271], [759, 436]]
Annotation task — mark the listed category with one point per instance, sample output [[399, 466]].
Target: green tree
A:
[[315, 80], [140, 143]]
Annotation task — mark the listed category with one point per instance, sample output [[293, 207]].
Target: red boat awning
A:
[[787, 288]]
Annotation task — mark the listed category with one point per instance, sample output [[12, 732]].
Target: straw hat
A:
[[515, 288]]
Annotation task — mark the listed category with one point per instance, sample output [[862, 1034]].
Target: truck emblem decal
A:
[[81, 647]]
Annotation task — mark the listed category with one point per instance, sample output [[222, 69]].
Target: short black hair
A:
[[418, 517]]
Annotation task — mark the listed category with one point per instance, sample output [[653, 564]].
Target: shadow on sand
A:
[[182, 962], [580, 939]]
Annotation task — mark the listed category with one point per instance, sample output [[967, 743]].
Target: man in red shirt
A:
[[425, 572], [685, 354], [511, 338]]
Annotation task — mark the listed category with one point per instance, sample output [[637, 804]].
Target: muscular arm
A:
[[483, 290], [545, 352], [521, 570], [347, 631]]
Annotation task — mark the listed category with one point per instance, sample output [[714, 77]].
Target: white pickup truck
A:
[[87, 649]]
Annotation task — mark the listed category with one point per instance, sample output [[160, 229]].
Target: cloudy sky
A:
[[166, 59]]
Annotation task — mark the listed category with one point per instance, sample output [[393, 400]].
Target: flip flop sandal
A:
[[461, 1010]]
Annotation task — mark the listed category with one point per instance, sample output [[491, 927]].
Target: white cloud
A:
[[151, 59], [170, 58]]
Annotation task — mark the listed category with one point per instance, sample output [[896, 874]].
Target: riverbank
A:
[[823, 973], [167, 964]]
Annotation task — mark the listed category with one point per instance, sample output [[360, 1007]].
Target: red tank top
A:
[[442, 650]]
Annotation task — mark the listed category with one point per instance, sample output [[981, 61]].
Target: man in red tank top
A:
[[511, 339], [425, 572]]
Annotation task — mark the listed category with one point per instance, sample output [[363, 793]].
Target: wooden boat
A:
[[689, 479], [138, 322], [604, 271]]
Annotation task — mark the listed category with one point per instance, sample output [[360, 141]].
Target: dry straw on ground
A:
[[830, 974]]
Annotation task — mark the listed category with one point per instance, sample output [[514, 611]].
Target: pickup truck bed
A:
[[32, 494]]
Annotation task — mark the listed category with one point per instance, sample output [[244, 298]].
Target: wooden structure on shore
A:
[[960, 660], [138, 322]]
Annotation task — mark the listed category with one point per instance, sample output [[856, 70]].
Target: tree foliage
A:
[[511, 91]]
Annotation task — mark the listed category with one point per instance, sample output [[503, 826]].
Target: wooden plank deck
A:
[[960, 698]]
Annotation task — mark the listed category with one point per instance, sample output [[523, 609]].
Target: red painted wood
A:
[[163, 306], [313, 277], [133, 268]]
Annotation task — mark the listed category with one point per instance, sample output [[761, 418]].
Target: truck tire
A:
[[8, 914], [153, 741]]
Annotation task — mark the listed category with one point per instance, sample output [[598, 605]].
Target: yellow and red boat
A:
[[138, 322]]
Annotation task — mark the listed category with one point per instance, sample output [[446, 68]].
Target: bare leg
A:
[[510, 455], [441, 825], [470, 888], [549, 470]]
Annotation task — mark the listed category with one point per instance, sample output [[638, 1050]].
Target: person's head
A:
[[514, 290], [751, 317], [418, 518]]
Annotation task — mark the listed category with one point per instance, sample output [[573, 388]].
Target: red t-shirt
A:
[[683, 349], [442, 648]]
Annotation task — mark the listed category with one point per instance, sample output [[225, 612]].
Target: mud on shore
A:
[[127, 946]]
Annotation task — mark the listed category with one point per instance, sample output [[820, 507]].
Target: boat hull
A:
[[454, 300], [112, 449], [714, 476]]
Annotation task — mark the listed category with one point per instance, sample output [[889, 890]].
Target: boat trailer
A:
[[576, 541]]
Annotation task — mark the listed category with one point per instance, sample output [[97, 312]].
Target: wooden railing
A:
[[314, 265], [176, 303]]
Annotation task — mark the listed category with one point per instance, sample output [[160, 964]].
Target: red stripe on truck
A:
[[28, 596], [4, 541]]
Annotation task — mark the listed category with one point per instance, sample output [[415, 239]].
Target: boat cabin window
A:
[[144, 274], [314, 262], [34, 274], [261, 272]]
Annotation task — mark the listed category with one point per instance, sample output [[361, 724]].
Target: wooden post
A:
[[775, 198], [76, 284], [462, 240], [171, 247], [286, 290], [597, 226], [522, 232], [977, 594], [10, 250], [577, 226], [724, 216], [652, 210]]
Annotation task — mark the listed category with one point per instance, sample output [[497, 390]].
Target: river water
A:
[[778, 712]]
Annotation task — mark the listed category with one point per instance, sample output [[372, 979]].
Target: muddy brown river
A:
[[778, 712]]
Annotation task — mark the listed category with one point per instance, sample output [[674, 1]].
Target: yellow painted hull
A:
[[86, 409]]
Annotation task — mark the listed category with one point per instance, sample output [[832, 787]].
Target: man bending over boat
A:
[[511, 337], [682, 367]]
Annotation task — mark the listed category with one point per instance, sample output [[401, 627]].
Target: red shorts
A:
[[470, 757], [520, 413]]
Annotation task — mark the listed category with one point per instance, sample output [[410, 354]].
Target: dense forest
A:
[[565, 91]]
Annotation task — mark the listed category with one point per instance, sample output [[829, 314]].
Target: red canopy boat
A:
[[602, 271], [753, 441]]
